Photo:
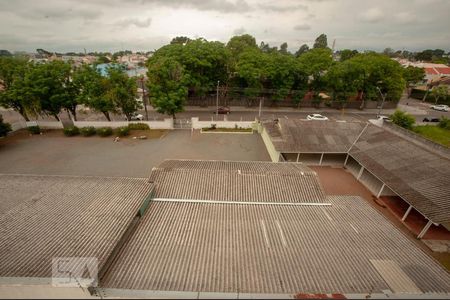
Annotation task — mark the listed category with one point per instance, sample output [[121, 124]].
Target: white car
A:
[[384, 118], [440, 107], [317, 117], [136, 117]]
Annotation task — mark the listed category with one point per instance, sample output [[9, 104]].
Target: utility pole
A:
[[383, 97], [217, 100], [143, 98]]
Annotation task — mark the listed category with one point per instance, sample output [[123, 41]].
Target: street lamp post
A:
[[217, 100], [143, 98], [383, 97]]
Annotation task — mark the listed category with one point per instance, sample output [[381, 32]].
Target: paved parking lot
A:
[[55, 154]]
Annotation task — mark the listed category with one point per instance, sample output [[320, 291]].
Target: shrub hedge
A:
[[71, 131], [123, 131], [88, 131], [104, 131], [138, 126], [34, 129]]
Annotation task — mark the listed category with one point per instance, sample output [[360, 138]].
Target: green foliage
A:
[[403, 119], [321, 42], [303, 49], [4, 127], [413, 75], [138, 126], [122, 92], [315, 63], [34, 129], [237, 44], [180, 40], [444, 123], [71, 131], [88, 131], [439, 92], [94, 90], [434, 133], [365, 72], [104, 131], [15, 94], [123, 131], [347, 54], [168, 84]]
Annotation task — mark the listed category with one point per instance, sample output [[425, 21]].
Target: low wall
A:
[[273, 153], [196, 124], [45, 124], [166, 124]]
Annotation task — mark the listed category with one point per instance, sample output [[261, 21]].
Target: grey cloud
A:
[[142, 23], [302, 27], [373, 15], [239, 31], [282, 8], [204, 5]]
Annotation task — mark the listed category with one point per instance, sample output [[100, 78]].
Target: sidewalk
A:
[[370, 111]]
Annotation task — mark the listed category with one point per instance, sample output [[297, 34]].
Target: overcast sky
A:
[[112, 25]]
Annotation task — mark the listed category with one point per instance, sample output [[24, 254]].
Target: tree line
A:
[[194, 67], [47, 89]]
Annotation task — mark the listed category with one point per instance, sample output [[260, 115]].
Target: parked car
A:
[[433, 120], [223, 110], [136, 117], [440, 107], [384, 118], [317, 117]]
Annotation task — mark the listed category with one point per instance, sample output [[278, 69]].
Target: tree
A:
[[413, 75], [49, 84], [315, 63], [183, 40], [389, 52], [347, 54], [284, 48], [267, 49], [439, 92], [4, 127], [102, 60], [93, 89], [13, 74], [122, 92], [402, 119], [303, 49], [321, 42], [5, 53], [237, 44], [168, 85]]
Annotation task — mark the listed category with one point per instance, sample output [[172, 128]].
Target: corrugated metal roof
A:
[[296, 135], [269, 249], [43, 217], [237, 181], [421, 177]]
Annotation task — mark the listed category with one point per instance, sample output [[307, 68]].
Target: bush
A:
[[104, 131], [403, 119], [123, 131], [4, 127], [138, 126], [34, 129], [444, 123], [87, 131], [71, 131]]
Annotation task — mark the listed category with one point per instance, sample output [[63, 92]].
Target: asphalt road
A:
[[246, 114]]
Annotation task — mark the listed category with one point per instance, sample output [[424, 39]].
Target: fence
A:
[[196, 124], [166, 124]]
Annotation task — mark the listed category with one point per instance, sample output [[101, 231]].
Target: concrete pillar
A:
[[321, 158], [346, 159], [298, 156], [360, 172], [381, 190], [407, 213], [425, 229]]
